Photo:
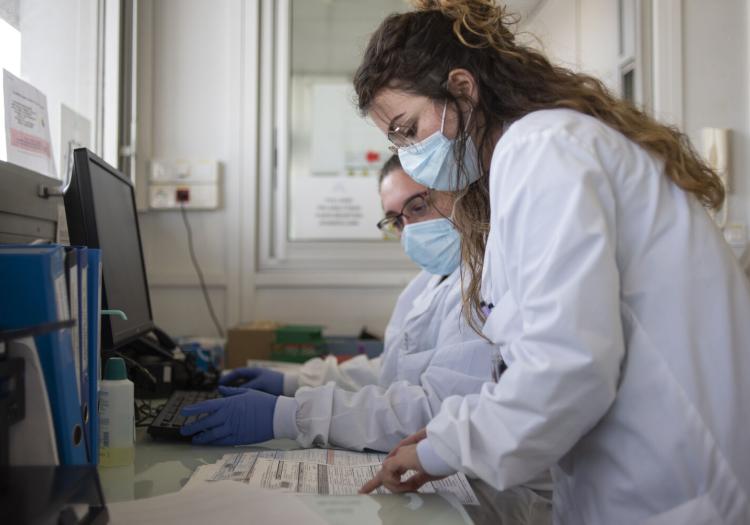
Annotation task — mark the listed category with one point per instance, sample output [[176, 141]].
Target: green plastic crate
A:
[[299, 334]]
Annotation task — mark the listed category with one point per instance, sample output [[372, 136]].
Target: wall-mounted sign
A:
[[27, 136]]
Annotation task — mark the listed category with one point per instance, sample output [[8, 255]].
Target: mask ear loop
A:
[[466, 126], [442, 119], [442, 126], [432, 205]]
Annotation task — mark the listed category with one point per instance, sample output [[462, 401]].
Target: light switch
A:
[[194, 183]]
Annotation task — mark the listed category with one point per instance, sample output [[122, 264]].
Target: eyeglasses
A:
[[404, 136], [401, 137], [415, 208]]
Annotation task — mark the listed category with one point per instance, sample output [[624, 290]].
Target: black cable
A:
[[197, 267], [136, 364], [146, 411]]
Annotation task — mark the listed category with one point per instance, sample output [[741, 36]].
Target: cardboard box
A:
[[249, 341]]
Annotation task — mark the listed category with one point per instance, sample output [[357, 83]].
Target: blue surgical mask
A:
[[432, 162], [434, 245]]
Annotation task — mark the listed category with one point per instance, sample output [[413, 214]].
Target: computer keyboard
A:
[[167, 423]]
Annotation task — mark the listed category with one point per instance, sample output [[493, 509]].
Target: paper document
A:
[[75, 132], [316, 471], [27, 135]]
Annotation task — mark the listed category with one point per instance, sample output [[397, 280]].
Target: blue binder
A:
[[72, 278], [94, 348], [83, 347], [32, 280]]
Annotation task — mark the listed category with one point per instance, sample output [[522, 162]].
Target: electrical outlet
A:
[[193, 184], [191, 196], [182, 194]]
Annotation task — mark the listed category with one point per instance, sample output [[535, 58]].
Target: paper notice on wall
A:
[[347, 144], [27, 135], [341, 208], [75, 132]]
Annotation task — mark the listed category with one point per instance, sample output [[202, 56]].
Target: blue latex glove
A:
[[240, 419], [258, 378]]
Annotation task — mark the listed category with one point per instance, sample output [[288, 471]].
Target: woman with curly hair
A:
[[621, 315]]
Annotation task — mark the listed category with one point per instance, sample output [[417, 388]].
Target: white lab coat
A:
[[423, 292], [625, 321], [352, 374], [430, 353]]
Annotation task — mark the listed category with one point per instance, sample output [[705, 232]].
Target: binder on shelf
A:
[[73, 291], [83, 344], [32, 439], [32, 279], [94, 348], [76, 281]]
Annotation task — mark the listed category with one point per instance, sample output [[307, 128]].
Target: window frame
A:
[[355, 262]]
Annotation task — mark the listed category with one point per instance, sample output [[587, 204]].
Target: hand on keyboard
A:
[[258, 378], [236, 420]]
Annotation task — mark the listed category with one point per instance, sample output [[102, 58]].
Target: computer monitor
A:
[[100, 207]]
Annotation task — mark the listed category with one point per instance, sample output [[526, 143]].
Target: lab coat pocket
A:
[[503, 324], [697, 511], [412, 366]]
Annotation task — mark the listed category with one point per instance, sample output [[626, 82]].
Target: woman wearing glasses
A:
[[404, 201], [619, 310], [429, 352]]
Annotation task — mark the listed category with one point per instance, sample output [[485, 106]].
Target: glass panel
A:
[[628, 86], [335, 155], [52, 45]]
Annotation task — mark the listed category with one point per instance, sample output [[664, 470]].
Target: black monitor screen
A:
[[122, 265], [112, 226]]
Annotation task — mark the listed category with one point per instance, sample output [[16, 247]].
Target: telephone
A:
[[716, 153]]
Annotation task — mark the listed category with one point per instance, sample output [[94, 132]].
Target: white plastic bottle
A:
[[116, 417]]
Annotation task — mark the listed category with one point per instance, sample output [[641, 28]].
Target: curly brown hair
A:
[[415, 51]]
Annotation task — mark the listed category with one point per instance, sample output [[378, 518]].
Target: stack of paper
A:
[[314, 471]]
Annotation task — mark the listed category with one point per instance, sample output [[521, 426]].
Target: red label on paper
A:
[[28, 142]]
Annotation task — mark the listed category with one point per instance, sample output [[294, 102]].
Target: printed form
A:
[[317, 471]]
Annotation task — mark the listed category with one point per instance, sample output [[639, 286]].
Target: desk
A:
[[164, 467]]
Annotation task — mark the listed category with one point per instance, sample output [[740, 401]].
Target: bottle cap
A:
[[115, 369]]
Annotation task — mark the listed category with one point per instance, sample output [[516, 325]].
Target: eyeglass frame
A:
[[400, 130], [392, 218]]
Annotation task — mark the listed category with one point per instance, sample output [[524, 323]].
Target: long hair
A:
[[415, 51]]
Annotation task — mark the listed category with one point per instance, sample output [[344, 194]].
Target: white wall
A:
[[198, 99], [553, 28], [597, 40], [716, 89], [578, 34], [190, 118]]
